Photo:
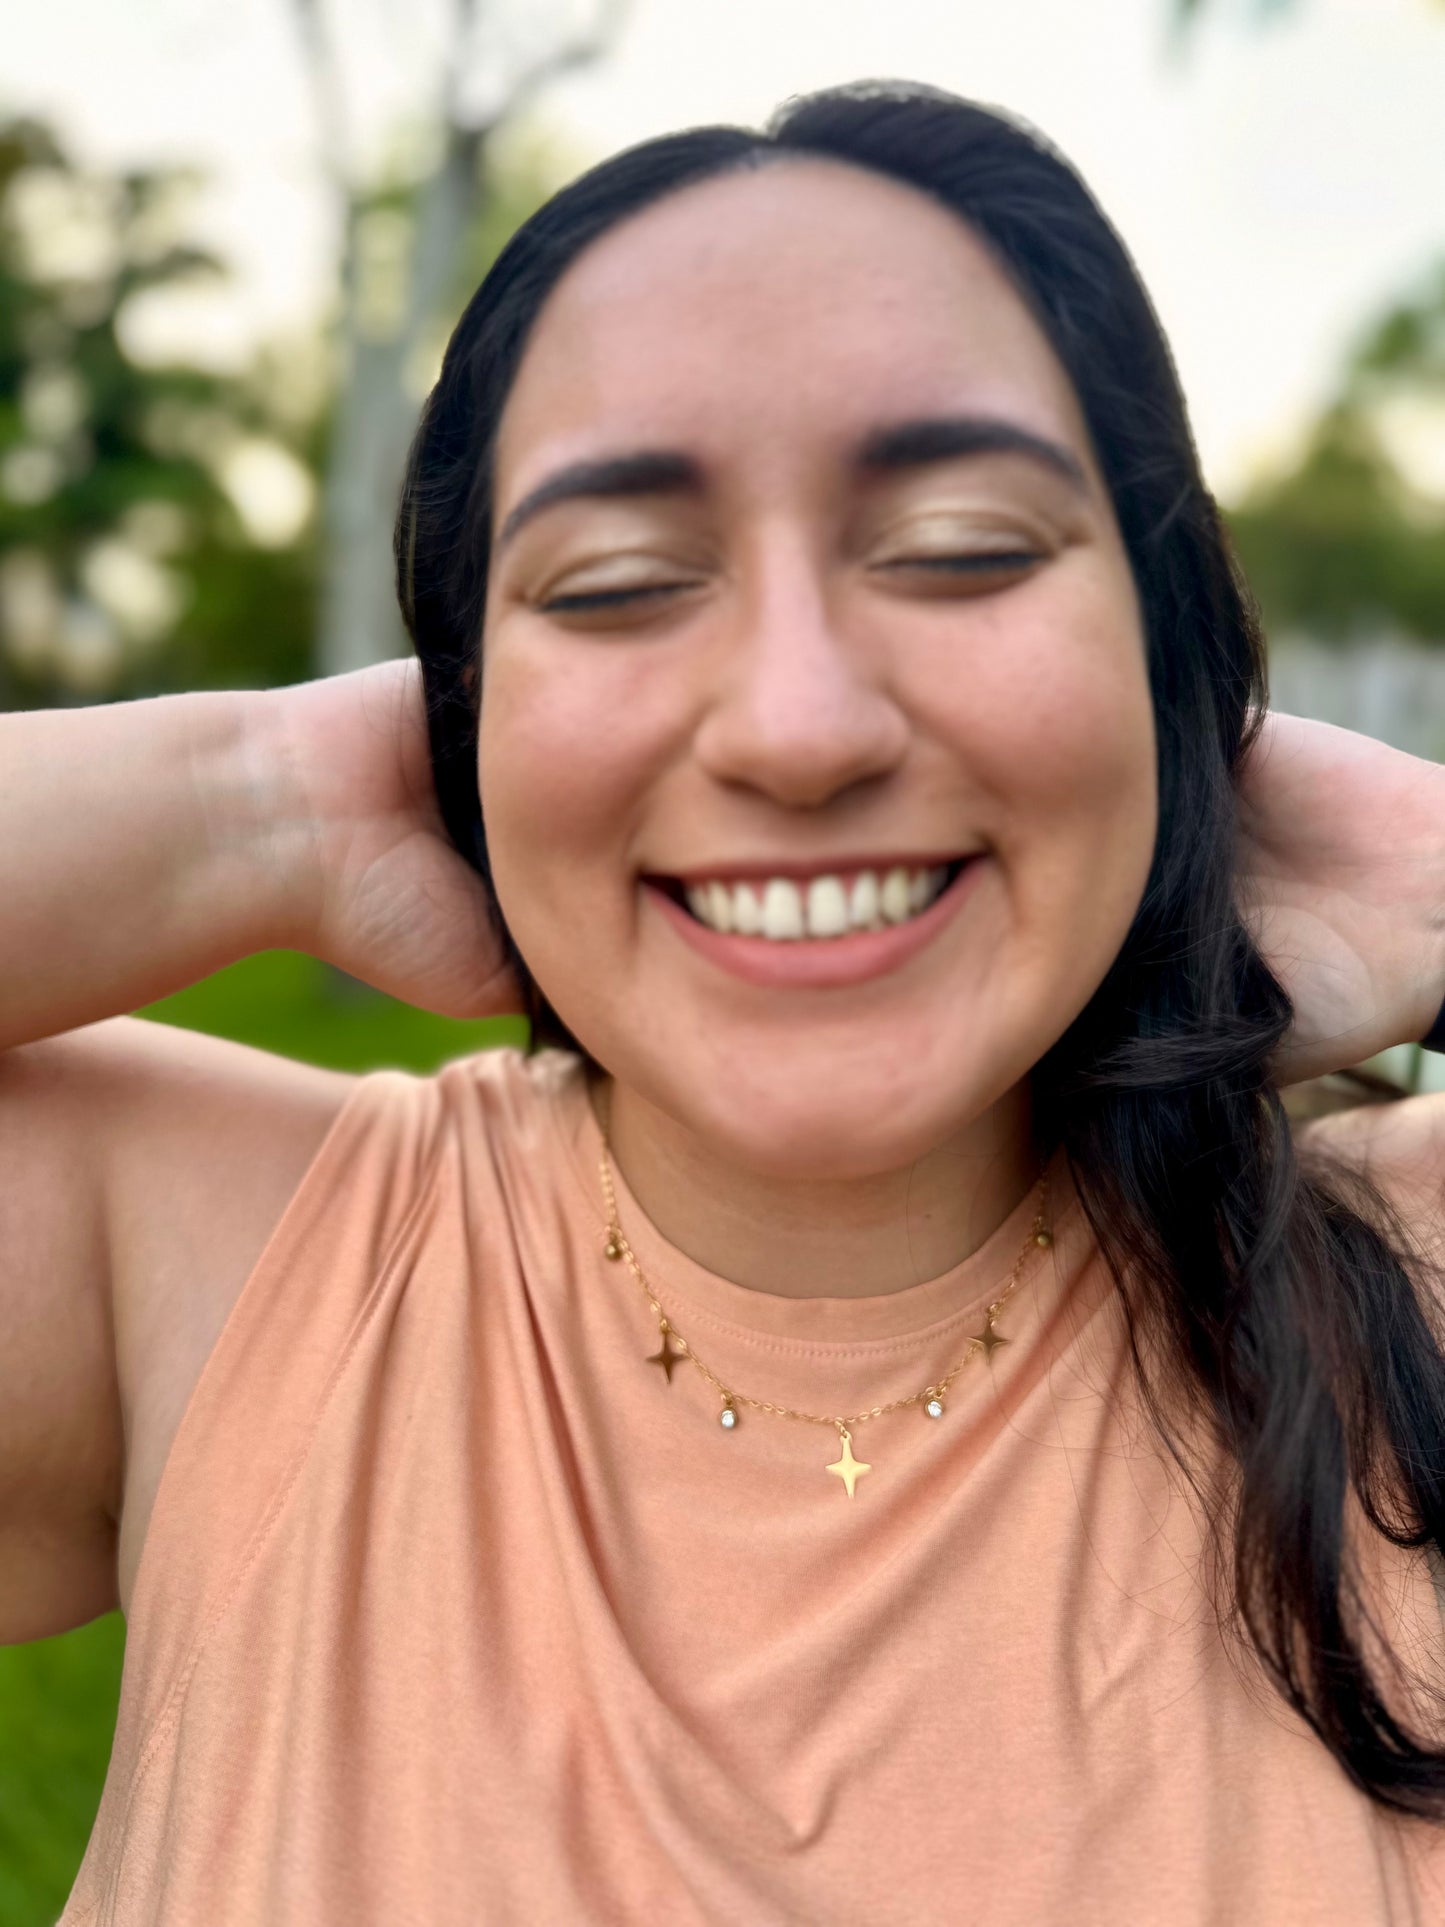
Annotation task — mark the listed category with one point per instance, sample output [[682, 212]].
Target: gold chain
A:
[[675, 1348]]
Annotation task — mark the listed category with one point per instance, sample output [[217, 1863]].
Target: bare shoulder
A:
[[1401, 1147], [145, 1167], [208, 1143]]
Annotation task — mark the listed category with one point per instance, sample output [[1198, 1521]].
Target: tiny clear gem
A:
[[934, 1408], [727, 1418]]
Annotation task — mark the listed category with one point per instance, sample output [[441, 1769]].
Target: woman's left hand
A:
[[1342, 885]]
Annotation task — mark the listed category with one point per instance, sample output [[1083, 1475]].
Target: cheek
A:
[[540, 777], [1055, 721], [571, 739], [1066, 688]]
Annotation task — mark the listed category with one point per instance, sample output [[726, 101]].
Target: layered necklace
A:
[[674, 1350]]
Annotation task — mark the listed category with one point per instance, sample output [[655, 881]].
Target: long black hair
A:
[[1266, 1286]]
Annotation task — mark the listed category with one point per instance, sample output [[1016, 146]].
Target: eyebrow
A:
[[887, 450]]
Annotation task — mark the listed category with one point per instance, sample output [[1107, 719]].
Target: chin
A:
[[804, 1122]]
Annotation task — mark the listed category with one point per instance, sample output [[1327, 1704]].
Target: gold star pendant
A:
[[989, 1338], [667, 1357], [848, 1468]]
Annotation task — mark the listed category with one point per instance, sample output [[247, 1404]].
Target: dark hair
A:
[[1264, 1286]]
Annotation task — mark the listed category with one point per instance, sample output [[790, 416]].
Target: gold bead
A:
[[612, 1250], [1044, 1239]]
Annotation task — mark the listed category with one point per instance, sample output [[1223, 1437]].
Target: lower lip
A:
[[819, 963]]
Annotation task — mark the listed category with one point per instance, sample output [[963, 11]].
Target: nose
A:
[[800, 711]]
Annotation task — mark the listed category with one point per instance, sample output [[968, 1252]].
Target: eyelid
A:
[[621, 568], [589, 585], [978, 573], [964, 541], [957, 526], [586, 601]]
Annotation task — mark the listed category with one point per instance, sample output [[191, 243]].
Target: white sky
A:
[[1273, 185]]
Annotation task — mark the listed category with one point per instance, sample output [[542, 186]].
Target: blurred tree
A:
[[1186, 12], [157, 520], [127, 561], [1350, 540], [408, 256]]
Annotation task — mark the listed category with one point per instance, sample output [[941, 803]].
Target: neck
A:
[[854, 1238]]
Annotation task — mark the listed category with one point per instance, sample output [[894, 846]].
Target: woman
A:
[[884, 1422]]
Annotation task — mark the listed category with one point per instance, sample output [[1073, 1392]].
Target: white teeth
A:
[[893, 897], [863, 901], [782, 910], [747, 911], [827, 908]]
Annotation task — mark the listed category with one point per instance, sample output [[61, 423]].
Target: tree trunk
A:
[[376, 416]]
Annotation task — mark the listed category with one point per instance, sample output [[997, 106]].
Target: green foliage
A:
[[1406, 345], [1346, 543], [1185, 13], [58, 1697], [125, 568]]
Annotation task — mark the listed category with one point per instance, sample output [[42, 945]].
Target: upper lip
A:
[[804, 869]]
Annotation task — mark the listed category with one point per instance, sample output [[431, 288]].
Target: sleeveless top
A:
[[454, 1609]]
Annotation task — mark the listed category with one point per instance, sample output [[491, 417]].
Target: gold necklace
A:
[[674, 1348]]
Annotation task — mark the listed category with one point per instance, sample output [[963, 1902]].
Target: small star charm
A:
[[667, 1357], [989, 1338], [848, 1468]]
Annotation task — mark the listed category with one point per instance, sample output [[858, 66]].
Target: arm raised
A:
[[144, 845], [142, 1167], [137, 853]]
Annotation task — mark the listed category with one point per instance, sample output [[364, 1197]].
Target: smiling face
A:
[[778, 636]]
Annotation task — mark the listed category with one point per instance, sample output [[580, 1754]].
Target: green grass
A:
[[57, 1708], [58, 1696], [286, 1002]]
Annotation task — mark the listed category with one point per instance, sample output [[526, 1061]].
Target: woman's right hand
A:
[[381, 890]]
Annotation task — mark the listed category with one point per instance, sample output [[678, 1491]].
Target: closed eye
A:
[[586, 601], [974, 564], [598, 601]]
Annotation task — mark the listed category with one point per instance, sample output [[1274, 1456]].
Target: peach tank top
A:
[[454, 1610]]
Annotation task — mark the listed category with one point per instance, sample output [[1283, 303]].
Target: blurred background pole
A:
[[399, 263]]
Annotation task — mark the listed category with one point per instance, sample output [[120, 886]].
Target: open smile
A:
[[784, 909], [839, 927]]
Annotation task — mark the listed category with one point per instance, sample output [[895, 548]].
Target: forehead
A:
[[789, 307]]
